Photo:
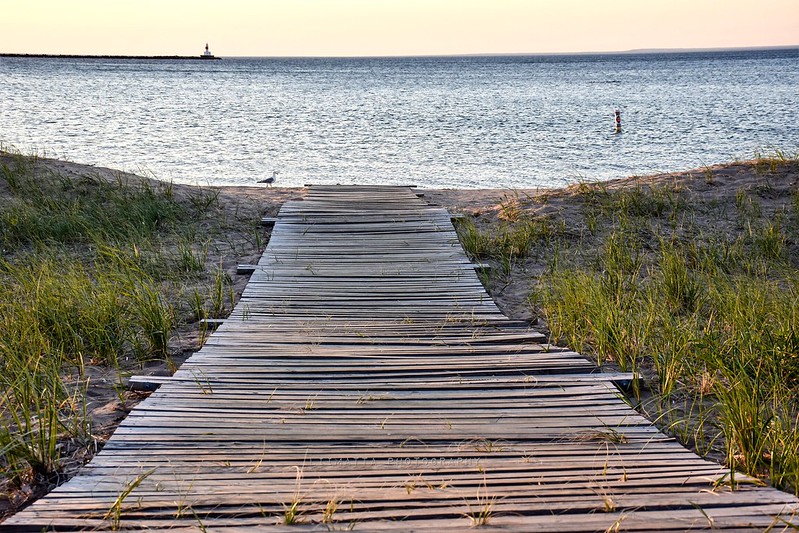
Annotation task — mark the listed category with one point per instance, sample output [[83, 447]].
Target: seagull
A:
[[270, 180]]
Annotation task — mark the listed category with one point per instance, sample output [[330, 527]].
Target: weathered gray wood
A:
[[211, 322], [365, 369], [244, 270], [147, 383]]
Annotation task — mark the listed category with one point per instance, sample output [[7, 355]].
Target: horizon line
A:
[[431, 55]]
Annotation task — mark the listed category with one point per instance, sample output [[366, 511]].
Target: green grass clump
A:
[[627, 202], [67, 210], [510, 240], [770, 162], [78, 315], [593, 313], [685, 317], [684, 322], [698, 294], [91, 274]]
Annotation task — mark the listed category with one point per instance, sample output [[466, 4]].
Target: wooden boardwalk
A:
[[365, 380]]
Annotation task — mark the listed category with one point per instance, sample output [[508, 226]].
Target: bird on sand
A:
[[270, 180]]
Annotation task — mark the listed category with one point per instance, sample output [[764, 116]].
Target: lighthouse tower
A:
[[207, 54]]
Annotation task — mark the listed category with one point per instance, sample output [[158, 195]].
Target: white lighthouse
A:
[[207, 54]]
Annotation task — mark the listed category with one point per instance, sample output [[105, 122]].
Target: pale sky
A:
[[389, 27]]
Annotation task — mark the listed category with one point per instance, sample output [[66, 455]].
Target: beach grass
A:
[[696, 292], [90, 209], [96, 272]]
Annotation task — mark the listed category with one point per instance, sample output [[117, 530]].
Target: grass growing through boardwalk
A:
[[100, 274], [692, 282]]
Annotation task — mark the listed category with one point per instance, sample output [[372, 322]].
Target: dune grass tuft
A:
[[92, 273], [701, 296]]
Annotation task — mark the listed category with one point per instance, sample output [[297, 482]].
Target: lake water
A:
[[466, 122]]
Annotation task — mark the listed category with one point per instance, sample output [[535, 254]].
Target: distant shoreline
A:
[[82, 56], [641, 51]]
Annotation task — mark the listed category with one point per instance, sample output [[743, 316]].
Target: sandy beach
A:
[[716, 195]]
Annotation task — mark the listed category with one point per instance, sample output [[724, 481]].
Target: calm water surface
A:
[[470, 122]]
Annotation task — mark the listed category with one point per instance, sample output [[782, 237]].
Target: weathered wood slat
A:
[[366, 372]]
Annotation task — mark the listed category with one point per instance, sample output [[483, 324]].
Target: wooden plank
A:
[[147, 383], [244, 270], [211, 323]]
